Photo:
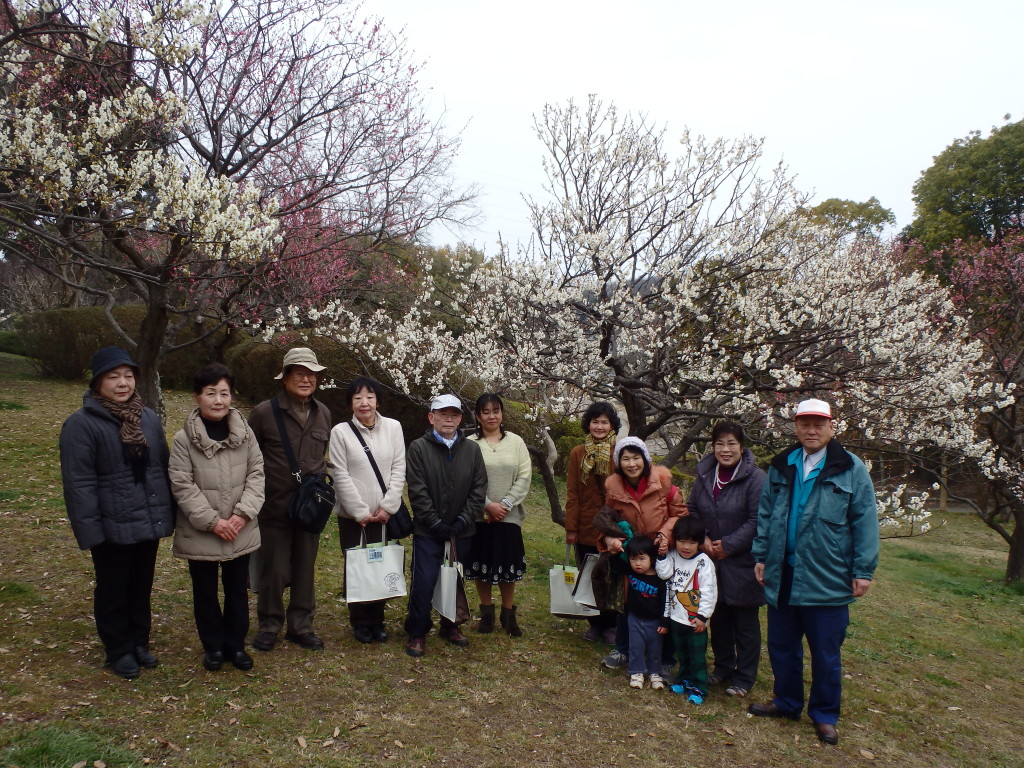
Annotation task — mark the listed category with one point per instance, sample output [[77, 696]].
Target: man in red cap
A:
[[815, 552]]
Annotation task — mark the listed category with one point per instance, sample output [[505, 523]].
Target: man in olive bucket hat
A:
[[288, 553]]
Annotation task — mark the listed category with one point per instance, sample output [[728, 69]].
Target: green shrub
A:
[[62, 342], [12, 343]]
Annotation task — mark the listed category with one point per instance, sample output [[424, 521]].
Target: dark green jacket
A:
[[837, 540], [445, 483]]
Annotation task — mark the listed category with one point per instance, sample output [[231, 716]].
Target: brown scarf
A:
[[597, 455], [133, 441]]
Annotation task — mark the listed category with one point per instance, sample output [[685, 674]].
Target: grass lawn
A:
[[934, 662]]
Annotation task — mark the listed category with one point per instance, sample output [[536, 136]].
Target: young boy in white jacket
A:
[[691, 593]]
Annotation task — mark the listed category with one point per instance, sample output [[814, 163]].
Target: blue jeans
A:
[[427, 554], [644, 645], [825, 629]]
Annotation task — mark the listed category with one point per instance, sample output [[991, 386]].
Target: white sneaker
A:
[[657, 683], [636, 681]]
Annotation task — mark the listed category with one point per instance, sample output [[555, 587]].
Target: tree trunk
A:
[[1015, 559], [149, 350], [545, 460]]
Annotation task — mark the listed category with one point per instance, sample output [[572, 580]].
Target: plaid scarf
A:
[[133, 441], [597, 456]]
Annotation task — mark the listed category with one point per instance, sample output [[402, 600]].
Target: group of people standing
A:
[[803, 538]]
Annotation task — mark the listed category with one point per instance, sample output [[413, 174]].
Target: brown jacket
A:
[[309, 443], [212, 481], [653, 513], [583, 499]]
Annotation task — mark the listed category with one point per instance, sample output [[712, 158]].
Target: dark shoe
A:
[[379, 633], [770, 709], [363, 634], [309, 641], [264, 641], [126, 666], [486, 624], [508, 621], [241, 660], [146, 659], [827, 733], [213, 660], [416, 646], [454, 636]]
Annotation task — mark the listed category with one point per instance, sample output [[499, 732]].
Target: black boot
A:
[[486, 624], [508, 621]]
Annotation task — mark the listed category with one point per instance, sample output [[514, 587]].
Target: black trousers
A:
[[221, 629], [124, 583], [736, 643]]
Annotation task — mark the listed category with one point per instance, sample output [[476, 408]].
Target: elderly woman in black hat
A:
[[113, 459]]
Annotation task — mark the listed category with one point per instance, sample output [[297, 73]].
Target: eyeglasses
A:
[[303, 376]]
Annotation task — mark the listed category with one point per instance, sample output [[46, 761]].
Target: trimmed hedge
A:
[[62, 342]]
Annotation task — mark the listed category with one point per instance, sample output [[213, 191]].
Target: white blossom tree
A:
[[209, 159], [687, 290]]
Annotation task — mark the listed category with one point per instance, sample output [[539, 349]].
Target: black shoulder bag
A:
[[311, 505], [399, 525]]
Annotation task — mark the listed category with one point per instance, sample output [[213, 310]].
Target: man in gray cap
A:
[[815, 552], [447, 491], [288, 553]]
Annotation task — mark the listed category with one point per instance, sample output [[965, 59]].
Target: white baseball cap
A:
[[813, 408], [445, 401]]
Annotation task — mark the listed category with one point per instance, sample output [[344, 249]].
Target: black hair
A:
[[633, 449], [360, 383], [211, 374], [600, 408], [487, 398], [728, 428], [688, 528], [642, 545]]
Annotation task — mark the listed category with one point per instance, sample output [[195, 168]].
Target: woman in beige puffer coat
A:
[[216, 471]]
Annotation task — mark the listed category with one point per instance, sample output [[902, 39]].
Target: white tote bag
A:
[[374, 572], [449, 587], [583, 592], [563, 580]]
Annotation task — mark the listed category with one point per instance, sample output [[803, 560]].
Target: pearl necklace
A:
[[719, 483]]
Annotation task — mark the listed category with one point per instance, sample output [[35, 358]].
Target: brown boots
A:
[[507, 619]]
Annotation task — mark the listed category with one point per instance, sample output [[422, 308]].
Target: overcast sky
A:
[[856, 98]]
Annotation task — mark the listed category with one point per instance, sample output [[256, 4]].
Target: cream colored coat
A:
[[211, 481]]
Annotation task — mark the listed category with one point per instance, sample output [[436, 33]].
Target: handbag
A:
[[374, 572], [563, 580], [449, 598], [399, 525], [311, 505]]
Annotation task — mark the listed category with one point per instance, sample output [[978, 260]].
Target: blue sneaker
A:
[[695, 698], [680, 688]]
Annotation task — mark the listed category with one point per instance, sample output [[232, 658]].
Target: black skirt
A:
[[497, 554]]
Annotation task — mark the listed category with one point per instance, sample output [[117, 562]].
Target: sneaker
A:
[[636, 681], [716, 678], [416, 647], [615, 660], [657, 683], [695, 698], [737, 691], [593, 635]]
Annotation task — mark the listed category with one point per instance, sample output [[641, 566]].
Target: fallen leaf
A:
[[409, 680], [399, 744], [632, 735], [337, 732], [953, 709], [328, 743], [302, 742], [868, 754], [80, 764], [730, 731], [232, 720], [99, 764]]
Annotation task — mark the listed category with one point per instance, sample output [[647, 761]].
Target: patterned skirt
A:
[[497, 554]]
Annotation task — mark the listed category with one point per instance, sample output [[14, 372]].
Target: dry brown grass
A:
[[934, 661]]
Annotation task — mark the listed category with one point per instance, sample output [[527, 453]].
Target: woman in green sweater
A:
[[498, 555]]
